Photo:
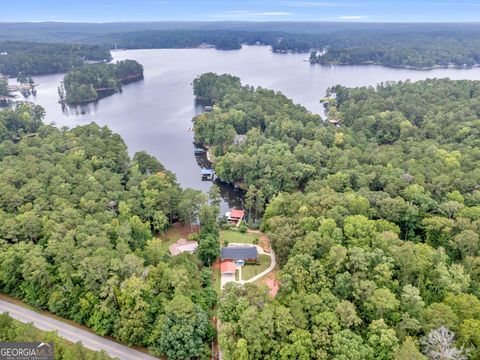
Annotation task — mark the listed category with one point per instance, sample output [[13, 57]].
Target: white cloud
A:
[[312, 4], [351, 17], [247, 14], [259, 13]]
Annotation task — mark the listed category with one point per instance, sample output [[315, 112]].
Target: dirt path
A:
[[268, 279], [264, 242]]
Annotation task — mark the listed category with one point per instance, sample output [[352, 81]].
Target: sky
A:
[[241, 10]]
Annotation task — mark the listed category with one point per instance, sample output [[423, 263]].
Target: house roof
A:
[[239, 252], [228, 267], [183, 245], [236, 213]]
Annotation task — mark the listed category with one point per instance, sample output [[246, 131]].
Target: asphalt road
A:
[[72, 333]]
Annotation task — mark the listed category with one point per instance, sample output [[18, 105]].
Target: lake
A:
[[155, 114]]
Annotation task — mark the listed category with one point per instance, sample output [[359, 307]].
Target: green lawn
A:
[[235, 236], [250, 271]]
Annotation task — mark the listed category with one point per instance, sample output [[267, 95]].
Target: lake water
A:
[[155, 114]]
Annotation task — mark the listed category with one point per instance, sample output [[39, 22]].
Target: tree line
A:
[[91, 82], [79, 236], [401, 49], [416, 48], [4, 87], [28, 58], [375, 223], [14, 331]]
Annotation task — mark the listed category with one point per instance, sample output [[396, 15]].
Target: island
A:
[[92, 82]]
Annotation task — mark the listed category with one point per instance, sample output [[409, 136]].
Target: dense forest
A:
[[91, 82], [401, 49], [79, 222], [12, 330], [375, 223], [391, 48], [4, 86], [29, 58], [156, 39], [415, 46], [68, 32]]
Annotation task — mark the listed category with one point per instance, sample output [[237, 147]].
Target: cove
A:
[[155, 114]]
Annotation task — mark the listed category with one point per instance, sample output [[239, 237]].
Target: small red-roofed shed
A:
[[228, 267]]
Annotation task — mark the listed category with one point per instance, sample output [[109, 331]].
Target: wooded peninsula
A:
[[375, 222], [30, 58], [90, 83]]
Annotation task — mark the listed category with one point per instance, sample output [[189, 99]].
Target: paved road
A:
[[225, 279], [72, 333]]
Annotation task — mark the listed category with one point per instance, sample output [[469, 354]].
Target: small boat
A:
[[208, 108], [198, 150]]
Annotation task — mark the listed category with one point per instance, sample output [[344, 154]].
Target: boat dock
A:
[[19, 87], [208, 174], [199, 150]]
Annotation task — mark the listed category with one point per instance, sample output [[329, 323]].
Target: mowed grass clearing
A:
[[235, 236], [251, 270]]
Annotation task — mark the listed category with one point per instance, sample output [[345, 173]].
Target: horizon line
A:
[[238, 21]]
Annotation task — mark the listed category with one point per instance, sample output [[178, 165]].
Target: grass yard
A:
[[235, 236], [250, 271]]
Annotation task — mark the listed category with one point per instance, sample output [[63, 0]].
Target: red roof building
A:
[[228, 267], [235, 216]]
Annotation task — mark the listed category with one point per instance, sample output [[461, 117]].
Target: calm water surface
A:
[[155, 114]]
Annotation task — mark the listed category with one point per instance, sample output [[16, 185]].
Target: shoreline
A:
[[103, 93], [406, 67]]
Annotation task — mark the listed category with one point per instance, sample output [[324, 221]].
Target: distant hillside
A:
[[30, 58], [412, 45]]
